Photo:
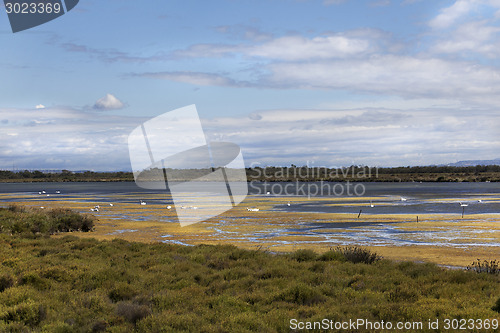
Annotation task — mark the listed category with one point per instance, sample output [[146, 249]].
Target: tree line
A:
[[291, 173]]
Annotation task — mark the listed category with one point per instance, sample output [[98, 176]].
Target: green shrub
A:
[[485, 266], [402, 294], [132, 312], [6, 281], [34, 279], [302, 294], [28, 313], [122, 292], [356, 254], [332, 255], [67, 220], [29, 222], [304, 255], [16, 209], [415, 270], [496, 307], [93, 286], [99, 326]]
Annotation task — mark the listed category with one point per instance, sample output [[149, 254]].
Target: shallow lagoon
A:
[[287, 222]]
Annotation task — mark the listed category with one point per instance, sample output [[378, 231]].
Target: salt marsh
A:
[[285, 223]]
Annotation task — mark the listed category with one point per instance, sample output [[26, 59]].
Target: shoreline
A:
[[111, 180]]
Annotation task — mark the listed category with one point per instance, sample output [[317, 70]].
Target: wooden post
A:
[[463, 211], [359, 213], [417, 218]]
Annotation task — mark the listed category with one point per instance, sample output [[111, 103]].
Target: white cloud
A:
[[366, 136], [108, 102], [40, 106], [476, 37], [73, 139], [64, 138], [450, 15], [405, 76], [195, 78], [295, 47], [301, 48]]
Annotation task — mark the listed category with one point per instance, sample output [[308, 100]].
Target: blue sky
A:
[[318, 82]]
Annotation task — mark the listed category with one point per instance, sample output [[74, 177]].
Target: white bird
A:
[[371, 205], [97, 206], [480, 201], [48, 195], [44, 192], [253, 209], [143, 203], [39, 192], [169, 207], [182, 207], [94, 209], [58, 192], [463, 205], [288, 204], [111, 204], [403, 199], [42, 207], [268, 193]]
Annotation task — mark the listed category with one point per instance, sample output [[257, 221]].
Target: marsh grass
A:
[[71, 284], [485, 266], [354, 254], [83, 285]]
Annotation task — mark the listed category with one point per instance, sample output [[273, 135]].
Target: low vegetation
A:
[[485, 266], [71, 284], [30, 221]]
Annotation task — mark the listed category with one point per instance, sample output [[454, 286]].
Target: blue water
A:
[[421, 198]]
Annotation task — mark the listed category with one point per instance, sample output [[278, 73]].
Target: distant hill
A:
[[475, 162]]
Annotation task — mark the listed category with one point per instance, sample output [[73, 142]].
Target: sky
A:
[[305, 82]]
